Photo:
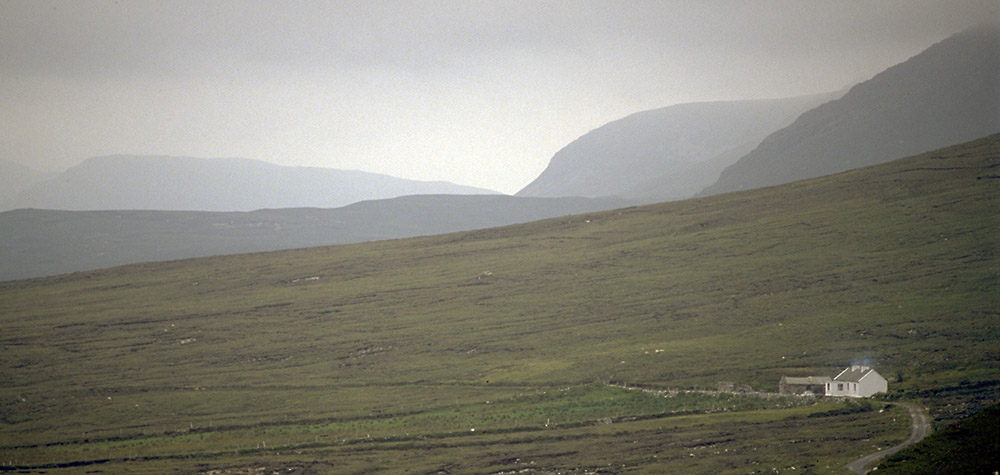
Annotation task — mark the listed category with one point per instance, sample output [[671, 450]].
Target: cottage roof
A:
[[806, 380], [853, 374]]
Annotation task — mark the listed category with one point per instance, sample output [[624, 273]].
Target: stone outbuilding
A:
[[804, 386]]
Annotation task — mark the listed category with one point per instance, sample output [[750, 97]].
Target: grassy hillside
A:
[[492, 350], [971, 445], [37, 243]]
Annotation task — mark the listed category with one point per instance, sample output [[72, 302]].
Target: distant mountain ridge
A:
[[947, 94], [122, 182], [35, 243], [667, 153]]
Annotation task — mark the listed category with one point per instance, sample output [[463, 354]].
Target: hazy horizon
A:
[[475, 93]]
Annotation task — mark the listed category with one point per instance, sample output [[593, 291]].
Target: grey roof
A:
[[853, 374]]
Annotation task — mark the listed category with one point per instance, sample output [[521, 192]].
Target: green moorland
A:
[[970, 446], [506, 349]]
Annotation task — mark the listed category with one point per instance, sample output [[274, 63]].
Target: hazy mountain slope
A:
[[632, 157], [45, 242], [15, 178], [221, 184], [947, 94], [687, 180], [404, 356]]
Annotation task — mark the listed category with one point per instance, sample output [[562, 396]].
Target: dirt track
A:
[[920, 428]]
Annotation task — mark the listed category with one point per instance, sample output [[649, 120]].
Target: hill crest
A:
[[156, 182]]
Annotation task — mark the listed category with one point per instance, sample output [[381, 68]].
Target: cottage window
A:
[[840, 386]]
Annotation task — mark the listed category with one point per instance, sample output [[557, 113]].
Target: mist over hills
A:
[[15, 178], [389, 354], [220, 184], [36, 243], [667, 153], [947, 94]]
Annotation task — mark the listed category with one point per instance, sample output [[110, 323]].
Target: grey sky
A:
[[475, 92]]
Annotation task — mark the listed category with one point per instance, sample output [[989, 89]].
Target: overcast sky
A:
[[480, 93]]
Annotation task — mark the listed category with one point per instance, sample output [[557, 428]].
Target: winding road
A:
[[920, 428]]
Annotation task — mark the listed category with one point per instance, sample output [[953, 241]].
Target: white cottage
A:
[[856, 381]]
